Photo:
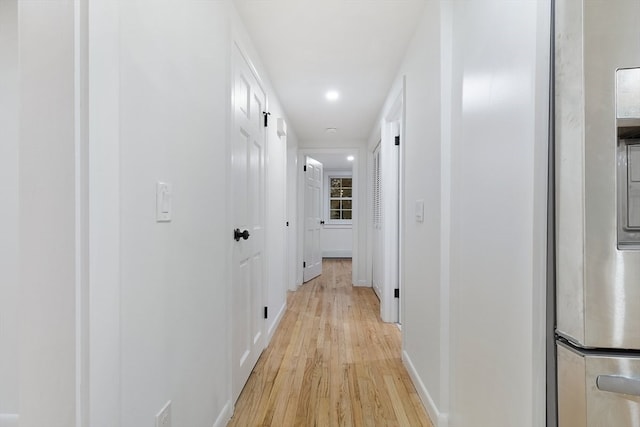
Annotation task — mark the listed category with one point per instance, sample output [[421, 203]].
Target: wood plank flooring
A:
[[331, 362]]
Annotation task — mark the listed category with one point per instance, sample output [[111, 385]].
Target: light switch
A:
[[163, 202], [419, 210]]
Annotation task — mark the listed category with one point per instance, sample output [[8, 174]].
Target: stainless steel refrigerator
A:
[[597, 189]]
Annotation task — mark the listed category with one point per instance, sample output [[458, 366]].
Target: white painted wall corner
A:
[[274, 326], [224, 416], [439, 419]]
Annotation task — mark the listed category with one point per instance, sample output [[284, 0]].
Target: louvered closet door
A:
[[377, 224]]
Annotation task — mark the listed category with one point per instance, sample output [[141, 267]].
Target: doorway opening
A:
[[386, 215], [328, 204]]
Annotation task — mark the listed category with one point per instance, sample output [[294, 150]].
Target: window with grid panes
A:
[[340, 198]]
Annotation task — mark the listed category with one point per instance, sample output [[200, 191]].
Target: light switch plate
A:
[[419, 210], [163, 202], [163, 418]]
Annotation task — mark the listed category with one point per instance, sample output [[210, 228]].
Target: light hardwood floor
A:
[[331, 362]]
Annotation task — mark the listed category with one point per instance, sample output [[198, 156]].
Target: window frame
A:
[[337, 223]]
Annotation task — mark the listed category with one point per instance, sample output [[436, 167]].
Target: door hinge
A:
[[304, 168], [266, 312], [397, 140], [304, 265], [396, 293], [266, 118]]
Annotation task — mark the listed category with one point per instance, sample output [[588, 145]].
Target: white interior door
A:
[[385, 257], [391, 225], [378, 259], [248, 139], [312, 219]]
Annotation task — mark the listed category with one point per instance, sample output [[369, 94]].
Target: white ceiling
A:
[[335, 161], [310, 47]]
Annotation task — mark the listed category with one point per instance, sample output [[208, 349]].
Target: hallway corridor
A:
[[331, 362]]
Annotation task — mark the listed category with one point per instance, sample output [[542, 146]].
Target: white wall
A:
[[293, 258], [420, 154], [158, 110], [474, 151], [173, 97], [160, 74], [421, 251], [104, 217], [277, 216], [337, 241], [47, 217], [9, 288], [500, 49]]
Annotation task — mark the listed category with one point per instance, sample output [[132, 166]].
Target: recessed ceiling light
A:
[[350, 158], [332, 95], [331, 130]]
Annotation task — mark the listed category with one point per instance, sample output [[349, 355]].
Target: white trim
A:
[[338, 226], [81, 163], [337, 253], [326, 208], [276, 321], [401, 200], [224, 416], [439, 419], [105, 394], [446, 72], [363, 283], [229, 220]]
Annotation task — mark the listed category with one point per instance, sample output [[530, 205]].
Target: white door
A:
[[391, 223], [378, 259], [248, 140], [387, 186], [386, 273], [312, 219]]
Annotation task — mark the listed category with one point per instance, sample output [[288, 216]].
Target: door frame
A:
[[236, 43], [358, 256], [392, 169]]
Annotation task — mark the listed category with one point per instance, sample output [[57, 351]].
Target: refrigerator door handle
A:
[[618, 384]]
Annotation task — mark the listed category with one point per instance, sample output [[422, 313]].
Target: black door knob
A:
[[237, 234]]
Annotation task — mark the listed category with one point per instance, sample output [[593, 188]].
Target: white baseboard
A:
[[438, 418], [362, 283], [276, 322], [224, 416], [9, 420], [339, 253]]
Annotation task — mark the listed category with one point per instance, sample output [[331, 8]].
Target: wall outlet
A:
[[163, 418]]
